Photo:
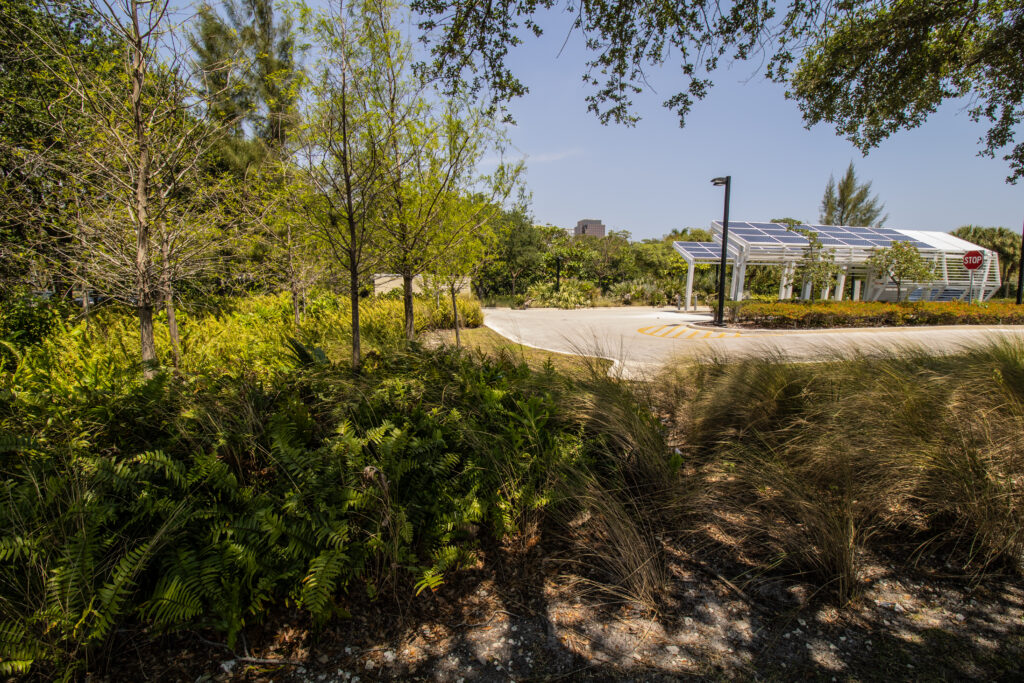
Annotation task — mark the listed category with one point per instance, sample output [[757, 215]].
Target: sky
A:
[[656, 176]]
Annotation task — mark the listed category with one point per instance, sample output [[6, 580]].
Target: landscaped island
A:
[[824, 314]]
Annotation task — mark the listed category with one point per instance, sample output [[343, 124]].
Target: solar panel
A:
[[701, 250]]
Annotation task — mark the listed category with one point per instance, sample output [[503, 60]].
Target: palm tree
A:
[[850, 202], [1003, 241]]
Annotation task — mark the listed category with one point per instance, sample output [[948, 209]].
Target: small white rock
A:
[[672, 649]]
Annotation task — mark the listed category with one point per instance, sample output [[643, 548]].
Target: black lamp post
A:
[[720, 314]]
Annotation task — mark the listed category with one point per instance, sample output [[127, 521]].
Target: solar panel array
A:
[[703, 250], [766, 235]]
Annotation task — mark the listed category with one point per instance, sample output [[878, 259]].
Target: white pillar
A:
[[805, 292], [984, 277], [856, 290], [739, 277], [783, 280], [824, 293], [841, 287], [689, 286]]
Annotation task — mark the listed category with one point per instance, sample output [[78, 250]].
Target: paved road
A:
[[641, 339]]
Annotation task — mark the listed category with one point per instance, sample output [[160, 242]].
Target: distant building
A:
[[589, 226]]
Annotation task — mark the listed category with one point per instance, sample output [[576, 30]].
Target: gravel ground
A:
[[522, 616]]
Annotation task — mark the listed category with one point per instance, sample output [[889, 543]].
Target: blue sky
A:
[[656, 176]]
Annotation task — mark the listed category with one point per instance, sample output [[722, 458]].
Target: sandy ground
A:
[[641, 339]]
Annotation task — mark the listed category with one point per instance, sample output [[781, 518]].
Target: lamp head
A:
[[719, 181]]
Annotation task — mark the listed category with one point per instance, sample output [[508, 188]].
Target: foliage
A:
[[875, 313], [817, 265], [471, 43], [877, 68], [1004, 242], [571, 294], [798, 471], [901, 263], [261, 474], [850, 202]]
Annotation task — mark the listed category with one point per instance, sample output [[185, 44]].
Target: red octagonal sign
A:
[[972, 260]]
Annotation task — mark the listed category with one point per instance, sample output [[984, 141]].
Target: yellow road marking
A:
[[681, 331]]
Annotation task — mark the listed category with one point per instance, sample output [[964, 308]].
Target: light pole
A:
[[720, 314]]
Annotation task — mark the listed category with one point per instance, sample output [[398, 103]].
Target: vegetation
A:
[[798, 469], [267, 472], [850, 70], [850, 202], [1004, 242], [811, 314], [901, 263]]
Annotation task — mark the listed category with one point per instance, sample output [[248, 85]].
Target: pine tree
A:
[[850, 202]]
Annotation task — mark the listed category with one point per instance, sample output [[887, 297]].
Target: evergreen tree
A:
[[850, 202], [256, 95]]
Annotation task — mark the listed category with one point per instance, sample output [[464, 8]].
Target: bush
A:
[[571, 294], [201, 500], [874, 313]]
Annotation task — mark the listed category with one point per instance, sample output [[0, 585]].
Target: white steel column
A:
[[841, 287], [805, 291], [739, 277], [984, 277], [856, 290], [690, 267], [783, 280]]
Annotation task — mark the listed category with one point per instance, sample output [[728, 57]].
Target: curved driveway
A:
[[641, 339]]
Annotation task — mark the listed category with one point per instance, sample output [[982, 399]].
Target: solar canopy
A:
[[703, 252], [777, 235], [775, 244]]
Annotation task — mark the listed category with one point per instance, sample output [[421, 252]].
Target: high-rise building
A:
[[589, 226]]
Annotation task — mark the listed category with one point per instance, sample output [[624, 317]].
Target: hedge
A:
[[873, 314]]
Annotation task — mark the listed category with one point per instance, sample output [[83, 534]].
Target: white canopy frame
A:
[[759, 243]]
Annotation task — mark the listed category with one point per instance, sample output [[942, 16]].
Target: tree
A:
[[876, 68], [460, 257], [850, 202], [283, 249], [817, 265], [432, 160], [344, 141], [901, 263], [34, 97], [132, 157], [470, 44], [1003, 241], [688, 235], [251, 52]]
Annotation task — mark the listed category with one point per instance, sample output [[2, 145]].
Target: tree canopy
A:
[[849, 202], [869, 68]]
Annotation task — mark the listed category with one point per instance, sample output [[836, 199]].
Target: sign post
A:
[[972, 261]]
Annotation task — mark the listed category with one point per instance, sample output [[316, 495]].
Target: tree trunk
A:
[[410, 323], [455, 317], [85, 305], [353, 272], [143, 261], [167, 288], [296, 302]]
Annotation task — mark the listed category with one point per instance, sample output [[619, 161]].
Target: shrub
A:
[[571, 294], [874, 313]]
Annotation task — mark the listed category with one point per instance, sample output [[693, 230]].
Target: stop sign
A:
[[972, 260]]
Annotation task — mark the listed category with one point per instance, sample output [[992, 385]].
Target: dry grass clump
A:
[[804, 464]]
